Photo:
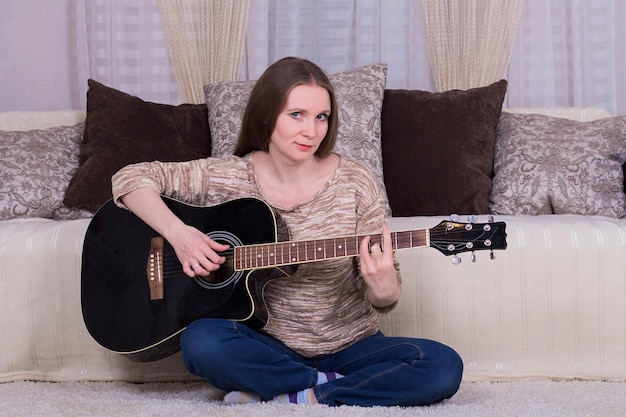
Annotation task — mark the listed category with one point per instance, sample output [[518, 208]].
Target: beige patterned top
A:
[[322, 308]]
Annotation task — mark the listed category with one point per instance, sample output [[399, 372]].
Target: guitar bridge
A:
[[154, 268]]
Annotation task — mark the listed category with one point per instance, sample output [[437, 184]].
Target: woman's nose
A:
[[308, 128]]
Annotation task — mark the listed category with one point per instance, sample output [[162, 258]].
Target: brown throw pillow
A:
[[438, 149], [121, 129]]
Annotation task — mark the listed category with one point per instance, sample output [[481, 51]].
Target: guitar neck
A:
[[269, 255]]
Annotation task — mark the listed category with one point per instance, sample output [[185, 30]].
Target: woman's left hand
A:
[[378, 270]]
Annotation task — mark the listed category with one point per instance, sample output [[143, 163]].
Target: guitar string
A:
[[403, 239]]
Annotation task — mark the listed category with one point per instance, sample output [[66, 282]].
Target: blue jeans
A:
[[378, 370]]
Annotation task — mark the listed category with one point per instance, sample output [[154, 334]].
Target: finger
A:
[[214, 252], [215, 245], [375, 248], [204, 269], [211, 260], [204, 266], [188, 269], [388, 247], [364, 247]]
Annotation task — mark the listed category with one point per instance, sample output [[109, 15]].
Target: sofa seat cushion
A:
[[42, 333], [552, 305]]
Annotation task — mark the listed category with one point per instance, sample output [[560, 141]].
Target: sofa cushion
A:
[[121, 129], [37, 166], [359, 97], [438, 149], [547, 164]]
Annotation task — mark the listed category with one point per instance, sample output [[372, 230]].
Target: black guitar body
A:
[[130, 309], [115, 292]]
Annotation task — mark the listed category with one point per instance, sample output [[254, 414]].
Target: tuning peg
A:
[[492, 255], [471, 218], [456, 260], [490, 219], [454, 217], [473, 256]]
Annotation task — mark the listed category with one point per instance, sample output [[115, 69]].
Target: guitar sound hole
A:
[[226, 274]]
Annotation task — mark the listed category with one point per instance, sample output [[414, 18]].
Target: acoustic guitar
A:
[[136, 300]]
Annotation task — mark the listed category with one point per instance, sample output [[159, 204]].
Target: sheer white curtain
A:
[[121, 43], [470, 41], [570, 53], [205, 40], [566, 52], [340, 35]]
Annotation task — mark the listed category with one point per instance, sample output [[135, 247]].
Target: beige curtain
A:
[[205, 39], [470, 41]]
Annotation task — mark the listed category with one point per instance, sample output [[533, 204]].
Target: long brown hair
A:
[[269, 96]]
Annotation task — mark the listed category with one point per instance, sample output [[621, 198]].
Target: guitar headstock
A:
[[451, 237]]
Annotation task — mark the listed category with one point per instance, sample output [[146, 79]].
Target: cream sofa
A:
[[553, 305]]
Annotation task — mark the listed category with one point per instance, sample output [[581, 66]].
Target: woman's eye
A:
[[322, 117], [296, 114]]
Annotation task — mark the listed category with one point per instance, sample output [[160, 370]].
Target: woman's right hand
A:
[[197, 252]]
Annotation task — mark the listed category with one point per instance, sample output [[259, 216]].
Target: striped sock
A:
[[300, 397], [324, 377]]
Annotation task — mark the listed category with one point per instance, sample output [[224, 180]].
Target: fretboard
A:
[[269, 255]]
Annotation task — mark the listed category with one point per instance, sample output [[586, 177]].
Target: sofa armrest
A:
[[581, 114], [31, 120]]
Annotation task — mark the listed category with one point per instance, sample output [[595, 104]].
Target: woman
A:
[[322, 341]]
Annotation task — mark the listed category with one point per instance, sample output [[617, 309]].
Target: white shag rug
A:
[[475, 399]]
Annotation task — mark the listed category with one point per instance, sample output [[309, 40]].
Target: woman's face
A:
[[302, 124]]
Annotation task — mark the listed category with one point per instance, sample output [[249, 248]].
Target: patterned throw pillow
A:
[[360, 98], [37, 166], [549, 165]]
